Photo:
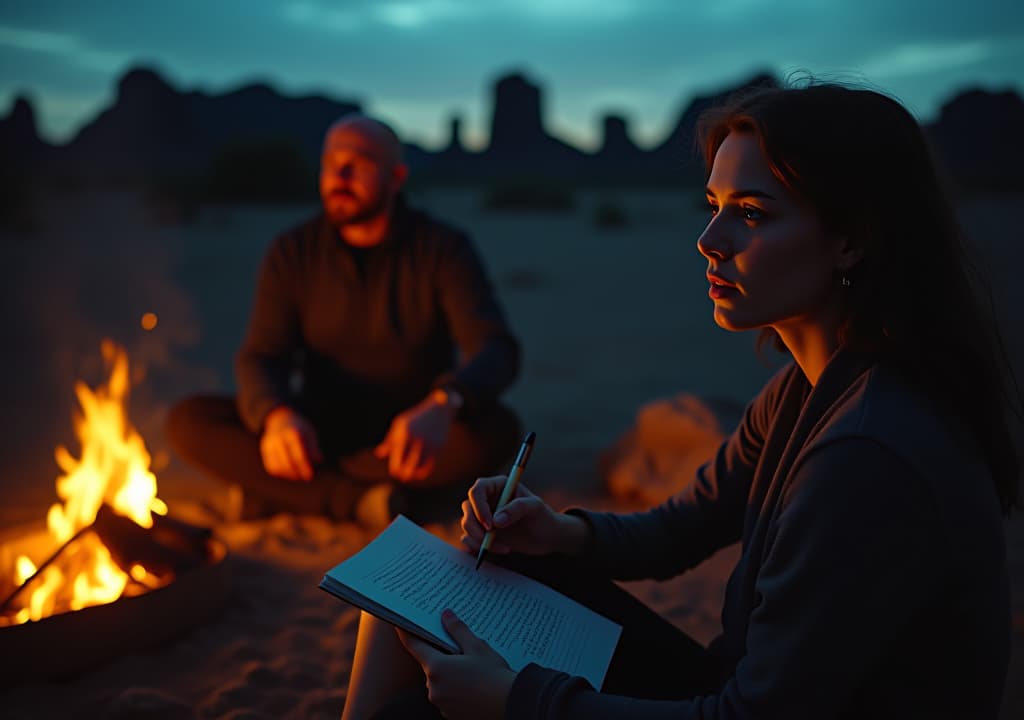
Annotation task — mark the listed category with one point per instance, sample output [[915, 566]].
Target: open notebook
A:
[[407, 576]]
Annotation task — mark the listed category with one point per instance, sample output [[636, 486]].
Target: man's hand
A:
[[472, 685], [417, 436], [289, 446]]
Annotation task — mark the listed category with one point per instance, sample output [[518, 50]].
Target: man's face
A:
[[357, 180]]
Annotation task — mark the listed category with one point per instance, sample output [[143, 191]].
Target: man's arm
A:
[[265, 360], [488, 360], [489, 352]]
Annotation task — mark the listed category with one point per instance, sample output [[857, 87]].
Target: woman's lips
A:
[[720, 288], [720, 292]]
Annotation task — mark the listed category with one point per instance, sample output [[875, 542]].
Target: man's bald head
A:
[[366, 135], [361, 172]]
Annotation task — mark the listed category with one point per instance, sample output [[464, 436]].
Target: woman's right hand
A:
[[525, 525]]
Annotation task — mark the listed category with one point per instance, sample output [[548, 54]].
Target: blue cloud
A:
[[417, 61]]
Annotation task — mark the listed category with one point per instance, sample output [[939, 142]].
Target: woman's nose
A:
[[712, 243]]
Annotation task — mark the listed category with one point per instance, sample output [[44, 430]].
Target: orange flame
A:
[[113, 468]]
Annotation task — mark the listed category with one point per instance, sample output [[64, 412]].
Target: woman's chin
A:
[[729, 321]]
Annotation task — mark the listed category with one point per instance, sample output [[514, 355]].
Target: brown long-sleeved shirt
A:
[[376, 328]]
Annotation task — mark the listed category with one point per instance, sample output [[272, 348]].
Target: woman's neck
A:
[[812, 345]]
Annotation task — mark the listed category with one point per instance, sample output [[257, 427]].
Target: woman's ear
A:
[[848, 253]]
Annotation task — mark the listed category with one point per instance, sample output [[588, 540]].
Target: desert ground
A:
[[612, 317]]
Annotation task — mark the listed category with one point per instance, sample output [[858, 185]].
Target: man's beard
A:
[[360, 212]]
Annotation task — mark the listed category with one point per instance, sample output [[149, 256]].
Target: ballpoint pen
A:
[[508, 491]]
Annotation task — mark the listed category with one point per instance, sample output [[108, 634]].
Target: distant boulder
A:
[[978, 137], [678, 155], [20, 144], [521, 150], [619, 159], [25, 160], [454, 164], [671, 438], [257, 112], [154, 134], [147, 133], [516, 120]]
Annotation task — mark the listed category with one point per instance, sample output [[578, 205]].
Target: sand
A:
[[611, 318]]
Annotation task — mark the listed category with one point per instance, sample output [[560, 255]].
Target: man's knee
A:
[[189, 420]]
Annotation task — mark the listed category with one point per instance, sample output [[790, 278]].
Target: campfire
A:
[[109, 539], [110, 480]]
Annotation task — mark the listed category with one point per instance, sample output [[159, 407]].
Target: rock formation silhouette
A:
[[978, 138], [256, 144]]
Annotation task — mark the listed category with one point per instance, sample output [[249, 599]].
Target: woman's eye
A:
[[752, 213], [712, 208]]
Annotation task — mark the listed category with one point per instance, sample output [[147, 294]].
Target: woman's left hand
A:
[[474, 684]]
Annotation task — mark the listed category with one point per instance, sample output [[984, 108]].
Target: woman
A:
[[866, 481]]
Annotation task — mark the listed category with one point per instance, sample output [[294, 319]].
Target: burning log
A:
[[163, 551], [100, 633]]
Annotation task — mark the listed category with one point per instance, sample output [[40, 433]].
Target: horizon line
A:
[[479, 142]]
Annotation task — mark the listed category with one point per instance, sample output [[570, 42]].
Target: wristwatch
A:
[[448, 395]]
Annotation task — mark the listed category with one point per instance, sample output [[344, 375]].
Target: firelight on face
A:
[[770, 263]]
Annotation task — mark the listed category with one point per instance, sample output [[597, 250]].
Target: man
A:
[[374, 358]]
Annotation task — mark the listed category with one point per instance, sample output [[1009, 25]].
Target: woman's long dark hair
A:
[[862, 162]]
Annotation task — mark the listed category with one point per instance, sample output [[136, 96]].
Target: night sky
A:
[[415, 63]]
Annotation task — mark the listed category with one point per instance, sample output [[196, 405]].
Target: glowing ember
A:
[[113, 469]]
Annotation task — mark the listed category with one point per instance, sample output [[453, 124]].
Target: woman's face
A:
[[769, 261]]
